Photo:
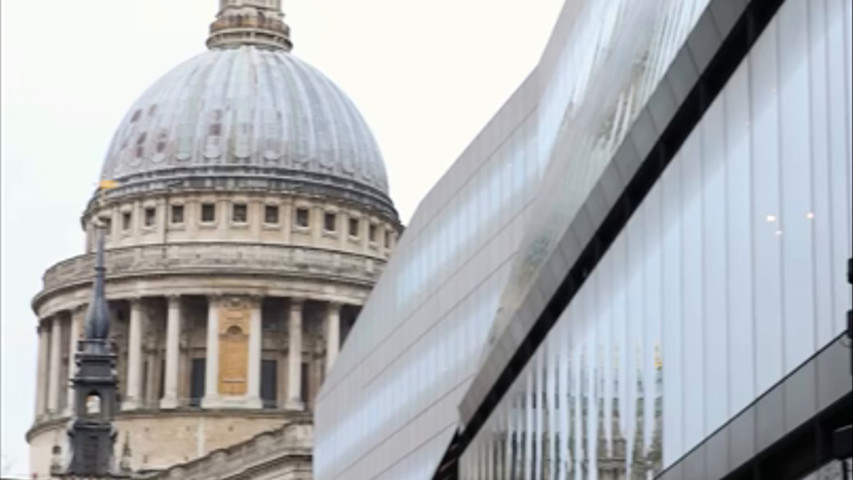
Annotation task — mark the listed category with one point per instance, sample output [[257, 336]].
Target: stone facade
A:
[[236, 262], [164, 297], [281, 454]]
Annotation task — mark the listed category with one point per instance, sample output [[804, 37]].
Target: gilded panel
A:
[[234, 346]]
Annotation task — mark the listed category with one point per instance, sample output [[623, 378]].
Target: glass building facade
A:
[[388, 409], [637, 269]]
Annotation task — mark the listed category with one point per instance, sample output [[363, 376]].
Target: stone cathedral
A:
[[247, 217]]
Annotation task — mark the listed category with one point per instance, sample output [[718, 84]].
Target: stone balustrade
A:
[[211, 258], [294, 439]]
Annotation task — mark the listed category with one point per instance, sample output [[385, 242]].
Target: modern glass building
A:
[[639, 268]]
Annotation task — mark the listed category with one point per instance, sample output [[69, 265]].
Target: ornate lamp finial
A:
[[98, 317], [250, 22]]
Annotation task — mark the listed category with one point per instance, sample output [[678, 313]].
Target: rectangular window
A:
[[353, 227], [108, 226], [329, 221], [162, 388], [145, 380], [271, 214], [301, 217], [239, 213], [125, 220], [303, 394], [387, 238], [269, 385], [208, 212], [177, 214], [371, 233], [150, 216], [197, 381]]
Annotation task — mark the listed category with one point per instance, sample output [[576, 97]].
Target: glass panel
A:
[[711, 293], [694, 283]]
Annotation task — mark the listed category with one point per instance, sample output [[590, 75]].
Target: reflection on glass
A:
[[703, 301], [606, 71], [561, 419]]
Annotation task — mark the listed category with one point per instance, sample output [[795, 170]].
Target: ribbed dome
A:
[[260, 108]]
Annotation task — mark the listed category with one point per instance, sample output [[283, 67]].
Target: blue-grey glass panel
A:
[[686, 313]]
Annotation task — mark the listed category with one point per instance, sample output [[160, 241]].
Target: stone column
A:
[[41, 372], [134, 356], [255, 327], [55, 365], [173, 345], [333, 334], [316, 222], [211, 377], [78, 317], [294, 356], [286, 218]]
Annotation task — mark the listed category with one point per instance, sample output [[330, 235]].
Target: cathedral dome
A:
[[246, 110]]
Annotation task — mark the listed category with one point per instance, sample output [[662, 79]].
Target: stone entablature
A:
[[284, 453], [213, 259]]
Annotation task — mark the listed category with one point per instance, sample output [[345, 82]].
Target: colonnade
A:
[[56, 366]]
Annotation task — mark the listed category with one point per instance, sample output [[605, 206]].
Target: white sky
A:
[[427, 76]]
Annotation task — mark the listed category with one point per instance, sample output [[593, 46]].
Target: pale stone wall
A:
[[281, 454], [161, 440], [40, 450], [154, 260], [128, 222]]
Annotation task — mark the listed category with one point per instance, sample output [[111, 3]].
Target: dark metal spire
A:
[[98, 317], [91, 436]]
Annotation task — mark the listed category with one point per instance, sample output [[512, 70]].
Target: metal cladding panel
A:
[[630, 343], [596, 127], [388, 407], [705, 300]]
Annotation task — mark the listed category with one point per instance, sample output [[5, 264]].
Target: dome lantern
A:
[[250, 22]]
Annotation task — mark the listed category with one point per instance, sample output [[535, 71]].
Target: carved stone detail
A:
[[211, 258], [234, 315]]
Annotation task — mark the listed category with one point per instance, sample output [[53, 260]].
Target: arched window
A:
[[93, 404]]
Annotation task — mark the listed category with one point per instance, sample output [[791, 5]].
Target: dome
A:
[[247, 110]]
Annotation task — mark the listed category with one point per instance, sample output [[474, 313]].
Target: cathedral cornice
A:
[[213, 258]]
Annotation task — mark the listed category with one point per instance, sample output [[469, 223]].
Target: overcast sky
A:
[[427, 76]]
